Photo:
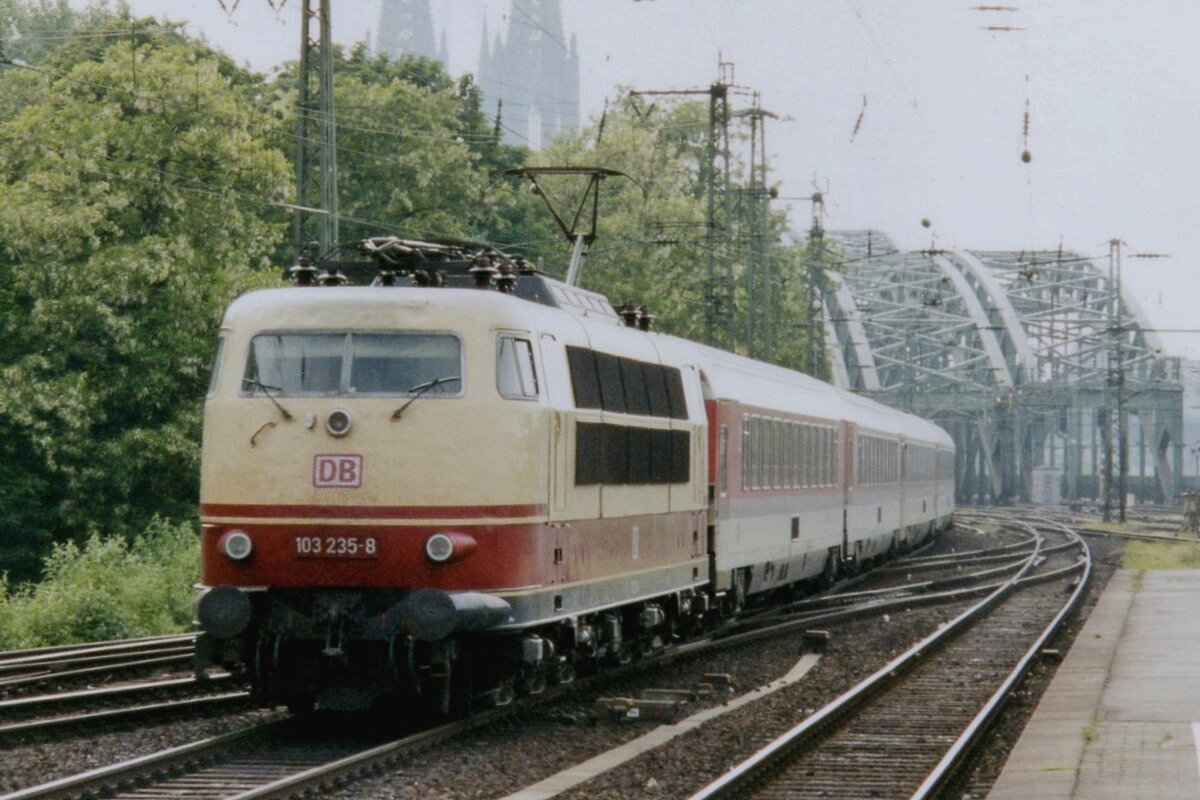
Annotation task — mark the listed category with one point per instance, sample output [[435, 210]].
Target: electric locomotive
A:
[[469, 480]]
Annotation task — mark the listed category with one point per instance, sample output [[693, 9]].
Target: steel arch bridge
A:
[[1046, 374]]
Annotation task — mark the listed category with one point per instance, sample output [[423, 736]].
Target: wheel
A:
[[532, 680]]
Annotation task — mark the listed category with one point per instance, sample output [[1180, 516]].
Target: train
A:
[[462, 480]]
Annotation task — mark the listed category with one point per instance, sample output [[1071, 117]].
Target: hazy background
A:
[[1112, 90]]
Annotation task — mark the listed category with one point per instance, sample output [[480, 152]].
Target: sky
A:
[[1113, 92]]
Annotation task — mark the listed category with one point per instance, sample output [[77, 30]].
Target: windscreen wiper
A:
[[420, 389], [255, 384]]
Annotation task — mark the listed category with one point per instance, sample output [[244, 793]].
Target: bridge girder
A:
[[1026, 357]]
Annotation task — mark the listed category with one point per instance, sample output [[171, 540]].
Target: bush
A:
[[109, 589]]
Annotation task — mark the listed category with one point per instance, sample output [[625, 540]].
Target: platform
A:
[[1121, 718]]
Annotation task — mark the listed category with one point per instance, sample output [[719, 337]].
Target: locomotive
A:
[[468, 480]]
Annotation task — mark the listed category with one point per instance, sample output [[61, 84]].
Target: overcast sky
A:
[[1113, 90]]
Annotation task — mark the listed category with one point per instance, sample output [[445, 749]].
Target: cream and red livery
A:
[[484, 480]]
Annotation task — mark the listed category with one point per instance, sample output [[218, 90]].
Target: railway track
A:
[[25, 668], [107, 704], [265, 763], [1155, 526], [904, 730], [286, 758]]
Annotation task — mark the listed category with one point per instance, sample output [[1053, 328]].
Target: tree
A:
[[29, 32], [416, 157], [139, 199]]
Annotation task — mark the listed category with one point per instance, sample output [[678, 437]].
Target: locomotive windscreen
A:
[[354, 364]]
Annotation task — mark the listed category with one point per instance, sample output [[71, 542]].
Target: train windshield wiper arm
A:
[[255, 384], [420, 389]]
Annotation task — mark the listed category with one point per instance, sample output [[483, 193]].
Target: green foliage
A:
[[106, 589], [416, 157], [30, 31], [138, 203]]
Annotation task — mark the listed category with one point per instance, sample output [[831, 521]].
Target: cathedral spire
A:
[[406, 26], [534, 71]]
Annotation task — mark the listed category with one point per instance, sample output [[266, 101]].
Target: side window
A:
[[776, 452], [583, 377], [755, 452], [835, 450], [636, 401], [656, 389], [612, 390], [516, 377], [723, 461], [675, 392], [745, 452], [614, 455], [589, 453], [216, 366]]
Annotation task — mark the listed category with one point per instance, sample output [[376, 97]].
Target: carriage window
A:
[[723, 461], [516, 377], [752, 452], [776, 452], [746, 451], [393, 364]]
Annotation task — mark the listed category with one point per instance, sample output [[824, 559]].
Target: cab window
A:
[[384, 364], [516, 375]]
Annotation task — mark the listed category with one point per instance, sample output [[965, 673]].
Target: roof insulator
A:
[[507, 282], [629, 314], [303, 272], [483, 272], [331, 277]]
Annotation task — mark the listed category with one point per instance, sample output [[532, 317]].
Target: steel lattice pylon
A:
[[1036, 362]]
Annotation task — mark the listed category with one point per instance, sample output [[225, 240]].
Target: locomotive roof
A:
[[361, 305]]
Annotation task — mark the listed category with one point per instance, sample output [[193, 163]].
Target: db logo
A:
[[337, 471]]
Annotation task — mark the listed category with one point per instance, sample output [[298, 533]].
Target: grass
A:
[[1161, 555], [1091, 731], [1115, 527]]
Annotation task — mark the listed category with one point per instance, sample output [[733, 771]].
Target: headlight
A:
[[439, 547], [237, 545], [449, 546], [338, 422]]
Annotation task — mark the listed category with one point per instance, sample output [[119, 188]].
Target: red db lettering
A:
[[337, 471]]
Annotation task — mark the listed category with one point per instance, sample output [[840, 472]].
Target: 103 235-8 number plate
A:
[[327, 546]]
